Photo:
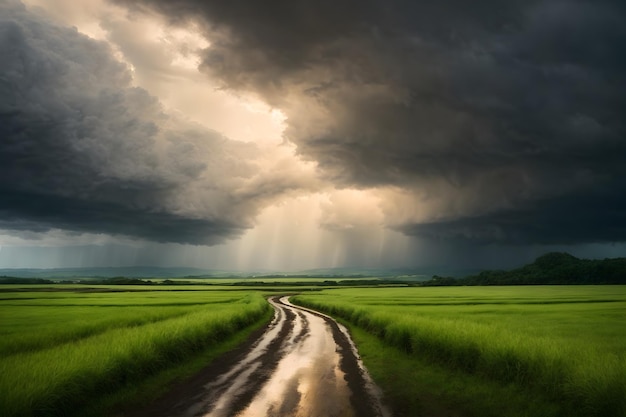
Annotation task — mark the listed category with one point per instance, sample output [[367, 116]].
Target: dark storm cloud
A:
[[83, 150], [573, 219], [72, 213], [518, 104]]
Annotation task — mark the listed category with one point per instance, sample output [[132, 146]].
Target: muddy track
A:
[[302, 364]]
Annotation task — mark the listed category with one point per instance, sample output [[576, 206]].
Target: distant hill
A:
[[550, 269]]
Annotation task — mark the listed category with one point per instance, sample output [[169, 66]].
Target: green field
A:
[[62, 348], [544, 351], [503, 351]]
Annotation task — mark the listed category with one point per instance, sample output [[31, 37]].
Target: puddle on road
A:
[[308, 380], [294, 370]]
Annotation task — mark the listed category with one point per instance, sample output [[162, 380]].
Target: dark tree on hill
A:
[[550, 269]]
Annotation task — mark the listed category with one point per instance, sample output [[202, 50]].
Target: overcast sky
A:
[[296, 134]]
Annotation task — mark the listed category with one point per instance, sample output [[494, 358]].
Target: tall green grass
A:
[[35, 320], [58, 378], [564, 343]]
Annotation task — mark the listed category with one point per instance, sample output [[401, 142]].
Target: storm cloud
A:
[[82, 149], [488, 121], [464, 122]]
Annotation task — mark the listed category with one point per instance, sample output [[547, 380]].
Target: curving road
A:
[[304, 364]]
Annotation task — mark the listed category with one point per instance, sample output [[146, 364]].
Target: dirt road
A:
[[304, 364]]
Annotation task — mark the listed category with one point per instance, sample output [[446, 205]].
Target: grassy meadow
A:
[[504, 351], [61, 349]]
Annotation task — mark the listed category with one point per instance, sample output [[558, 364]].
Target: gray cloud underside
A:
[[596, 217], [70, 213], [520, 103], [81, 149]]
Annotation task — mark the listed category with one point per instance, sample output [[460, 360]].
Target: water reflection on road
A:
[[303, 365]]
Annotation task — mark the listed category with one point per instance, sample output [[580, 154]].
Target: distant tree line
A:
[[551, 269], [13, 280], [555, 268], [309, 276], [122, 281]]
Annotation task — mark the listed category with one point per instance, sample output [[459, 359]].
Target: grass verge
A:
[[561, 346], [418, 388], [138, 395], [68, 376]]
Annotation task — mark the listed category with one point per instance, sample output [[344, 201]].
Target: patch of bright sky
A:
[[164, 60]]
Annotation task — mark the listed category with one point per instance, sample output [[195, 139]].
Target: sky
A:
[[291, 134]]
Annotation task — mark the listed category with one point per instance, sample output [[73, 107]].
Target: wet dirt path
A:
[[303, 365]]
